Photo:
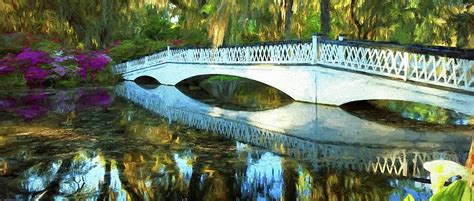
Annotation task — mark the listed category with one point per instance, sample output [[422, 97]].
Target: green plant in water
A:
[[440, 171]]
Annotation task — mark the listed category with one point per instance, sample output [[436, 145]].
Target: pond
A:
[[131, 142]]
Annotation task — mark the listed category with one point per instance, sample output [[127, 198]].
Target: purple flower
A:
[[32, 112], [35, 98], [92, 63], [36, 105], [7, 103], [7, 64], [33, 57], [60, 70], [6, 69], [63, 102], [63, 59], [98, 98], [35, 74]]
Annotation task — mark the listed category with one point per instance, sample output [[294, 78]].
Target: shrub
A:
[[130, 49]]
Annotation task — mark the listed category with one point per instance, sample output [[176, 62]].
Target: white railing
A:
[[447, 71], [291, 53], [431, 69], [144, 62]]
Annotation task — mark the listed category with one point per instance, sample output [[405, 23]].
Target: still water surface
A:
[[114, 143]]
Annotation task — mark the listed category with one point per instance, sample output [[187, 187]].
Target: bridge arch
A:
[[145, 79], [299, 85], [413, 99], [316, 84], [203, 77]]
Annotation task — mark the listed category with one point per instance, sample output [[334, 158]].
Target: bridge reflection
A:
[[326, 137]]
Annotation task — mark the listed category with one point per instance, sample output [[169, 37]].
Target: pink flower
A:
[[35, 74], [5, 69], [33, 57], [90, 64]]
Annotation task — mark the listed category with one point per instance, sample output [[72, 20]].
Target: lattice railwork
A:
[[443, 71], [371, 160], [269, 54], [437, 70], [120, 68]]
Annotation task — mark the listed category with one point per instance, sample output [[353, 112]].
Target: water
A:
[[130, 142]]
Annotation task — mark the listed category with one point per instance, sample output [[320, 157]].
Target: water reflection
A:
[[410, 114], [39, 177], [37, 104], [260, 128], [424, 113], [124, 152], [265, 173], [234, 93], [85, 174]]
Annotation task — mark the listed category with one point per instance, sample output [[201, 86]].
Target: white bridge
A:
[[327, 72]]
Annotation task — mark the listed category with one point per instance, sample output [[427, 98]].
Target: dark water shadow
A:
[[233, 93], [404, 114]]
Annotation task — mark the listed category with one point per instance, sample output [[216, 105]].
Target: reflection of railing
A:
[[432, 65], [396, 161]]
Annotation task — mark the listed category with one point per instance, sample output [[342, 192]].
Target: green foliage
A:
[[11, 81], [422, 112], [424, 22], [47, 46], [106, 77], [10, 43], [459, 189], [222, 78], [158, 26], [195, 37], [129, 49], [68, 83]]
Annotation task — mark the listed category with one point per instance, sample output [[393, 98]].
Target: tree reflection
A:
[[40, 176], [84, 176], [424, 113], [230, 92]]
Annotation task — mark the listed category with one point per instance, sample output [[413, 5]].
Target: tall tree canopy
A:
[[96, 23]]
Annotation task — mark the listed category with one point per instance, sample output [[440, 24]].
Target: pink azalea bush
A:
[[37, 66], [6, 66], [91, 63]]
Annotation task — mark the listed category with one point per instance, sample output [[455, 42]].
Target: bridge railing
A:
[[289, 53], [446, 67], [402, 63], [144, 62]]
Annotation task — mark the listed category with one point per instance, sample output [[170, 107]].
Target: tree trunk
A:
[[288, 15], [325, 18], [356, 22]]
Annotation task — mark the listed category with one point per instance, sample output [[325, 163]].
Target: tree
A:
[[325, 17]]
